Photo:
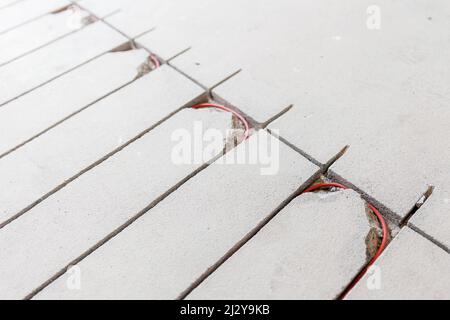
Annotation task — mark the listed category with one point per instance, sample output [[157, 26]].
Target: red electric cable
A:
[[382, 222], [155, 61], [217, 106]]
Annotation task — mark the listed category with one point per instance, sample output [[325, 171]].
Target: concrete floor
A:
[[93, 206]]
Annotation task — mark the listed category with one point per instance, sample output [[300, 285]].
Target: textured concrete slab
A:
[[433, 218], [82, 214], [411, 268], [370, 75], [25, 11], [31, 114], [375, 89], [315, 239], [38, 33], [56, 59], [60, 154], [204, 23], [177, 241], [131, 17], [394, 156]]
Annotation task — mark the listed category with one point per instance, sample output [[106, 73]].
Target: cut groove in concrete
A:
[[385, 211], [277, 116], [89, 33], [98, 162], [292, 146], [75, 167], [109, 24], [54, 30], [215, 224], [24, 12], [178, 54], [129, 222], [411, 268], [420, 202], [260, 226], [429, 238], [10, 3], [318, 238], [224, 102], [223, 81], [187, 76]]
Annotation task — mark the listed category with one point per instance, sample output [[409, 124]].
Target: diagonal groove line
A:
[[72, 114], [130, 221], [114, 233], [52, 41], [255, 124], [322, 170], [96, 163], [277, 116], [429, 238], [225, 80], [91, 104], [56, 77], [167, 61], [98, 19], [422, 200], [23, 23], [151, 51], [107, 23], [10, 4], [295, 148], [148, 49]]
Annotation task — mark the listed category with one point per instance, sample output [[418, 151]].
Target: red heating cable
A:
[[217, 106]]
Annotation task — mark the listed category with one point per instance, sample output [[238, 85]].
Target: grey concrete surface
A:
[[48, 161], [411, 268], [4, 3], [171, 246], [370, 75], [56, 59], [27, 10], [75, 219], [433, 218], [26, 117], [317, 239], [380, 90]]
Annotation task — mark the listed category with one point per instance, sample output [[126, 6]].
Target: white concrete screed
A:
[[42, 165], [311, 250], [38, 33], [79, 216], [433, 218], [376, 90], [56, 59], [411, 268], [170, 247], [27, 10], [31, 114], [87, 159]]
